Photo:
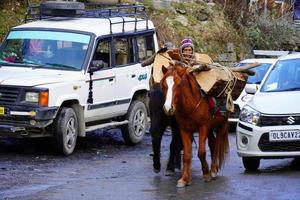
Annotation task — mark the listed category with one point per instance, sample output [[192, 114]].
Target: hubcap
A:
[[70, 133], [139, 123]]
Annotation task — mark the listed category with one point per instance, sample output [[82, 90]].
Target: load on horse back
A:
[[185, 99]]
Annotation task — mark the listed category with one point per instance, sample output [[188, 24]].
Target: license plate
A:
[[1, 110], [284, 135]]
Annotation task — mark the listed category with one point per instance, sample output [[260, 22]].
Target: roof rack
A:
[[92, 10], [269, 53]]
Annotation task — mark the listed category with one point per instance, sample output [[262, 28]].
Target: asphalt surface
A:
[[102, 167]]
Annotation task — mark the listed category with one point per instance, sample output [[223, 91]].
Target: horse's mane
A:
[[189, 80]]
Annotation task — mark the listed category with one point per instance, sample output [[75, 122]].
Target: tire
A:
[[65, 132], [251, 164], [134, 131], [232, 127], [61, 8]]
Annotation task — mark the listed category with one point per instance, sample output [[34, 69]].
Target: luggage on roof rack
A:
[[49, 9]]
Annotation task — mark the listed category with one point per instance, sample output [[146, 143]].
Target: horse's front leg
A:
[[203, 133], [187, 159]]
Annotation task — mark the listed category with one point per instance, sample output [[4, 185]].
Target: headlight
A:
[[40, 98], [249, 115], [32, 97]]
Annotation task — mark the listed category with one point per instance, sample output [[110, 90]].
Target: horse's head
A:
[[170, 85]]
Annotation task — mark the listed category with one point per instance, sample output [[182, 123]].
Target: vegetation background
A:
[[217, 27]]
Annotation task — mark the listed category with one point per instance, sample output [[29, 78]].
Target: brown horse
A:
[[190, 107]]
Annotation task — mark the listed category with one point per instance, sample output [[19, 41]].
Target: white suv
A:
[[269, 124], [64, 76]]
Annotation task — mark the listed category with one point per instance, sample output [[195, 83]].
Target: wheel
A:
[[65, 131], [251, 164], [134, 131], [61, 8], [232, 127]]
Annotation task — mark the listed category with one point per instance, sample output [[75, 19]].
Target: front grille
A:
[[279, 120], [9, 95], [265, 145], [14, 120]]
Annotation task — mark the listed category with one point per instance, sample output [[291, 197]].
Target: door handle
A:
[[111, 79], [133, 75]]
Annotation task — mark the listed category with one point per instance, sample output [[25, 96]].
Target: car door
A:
[[130, 76], [101, 92]]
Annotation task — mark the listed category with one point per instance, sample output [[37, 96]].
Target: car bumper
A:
[[18, 121], [253, 141]]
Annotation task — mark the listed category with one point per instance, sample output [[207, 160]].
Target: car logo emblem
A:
[[290, 120]]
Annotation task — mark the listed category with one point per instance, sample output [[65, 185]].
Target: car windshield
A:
[[44, 49], [284, 76], [260, 72]]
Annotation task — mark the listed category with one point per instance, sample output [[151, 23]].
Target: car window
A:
[[284, 76], [145, 46], [123, 51], [103, 53], [45, 49], [260, 72]]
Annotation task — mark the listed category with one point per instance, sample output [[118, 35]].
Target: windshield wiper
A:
[[31, 64], [61, 66]]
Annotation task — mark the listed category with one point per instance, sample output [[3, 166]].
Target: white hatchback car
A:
[[269, 124], [255, 80]]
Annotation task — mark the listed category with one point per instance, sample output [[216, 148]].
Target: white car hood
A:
[[34, 77], [276, 102]]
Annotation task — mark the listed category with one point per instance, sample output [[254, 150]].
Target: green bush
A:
[[263, 32]]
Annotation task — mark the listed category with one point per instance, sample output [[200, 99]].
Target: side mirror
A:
[[96, 65], [251, 88]]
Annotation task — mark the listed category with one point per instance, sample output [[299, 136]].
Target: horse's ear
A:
[[164, 69]]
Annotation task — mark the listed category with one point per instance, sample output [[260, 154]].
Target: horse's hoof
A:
[[213, 175], [181, 183], [206, 178], [169, 173], [156, 170]]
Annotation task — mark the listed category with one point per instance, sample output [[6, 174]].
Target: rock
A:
[[227, 57], [211, 4], [180, 11], [202, 15], [230, 47], [183, 20]]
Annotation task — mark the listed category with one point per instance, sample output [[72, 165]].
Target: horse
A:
[[158, 125], [159, 122], [184, 99]]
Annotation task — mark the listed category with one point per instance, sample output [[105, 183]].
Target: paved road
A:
[[104, 168]]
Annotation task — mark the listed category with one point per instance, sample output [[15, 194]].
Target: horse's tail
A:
[[222, 144]]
